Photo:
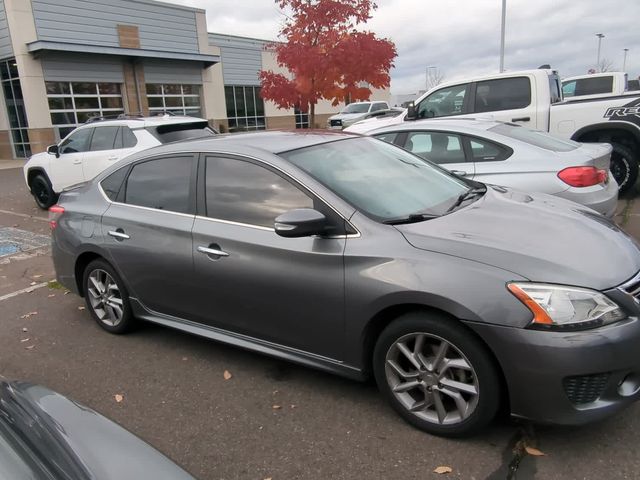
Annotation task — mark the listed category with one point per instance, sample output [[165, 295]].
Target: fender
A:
[[627, 126]]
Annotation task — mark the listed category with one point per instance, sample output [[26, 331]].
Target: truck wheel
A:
[[624, 166]]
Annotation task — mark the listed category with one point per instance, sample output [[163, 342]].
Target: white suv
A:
[[355, 112], [94, 146]]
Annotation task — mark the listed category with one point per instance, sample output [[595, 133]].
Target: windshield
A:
[[356, 108], [535, 137], [381, 180]]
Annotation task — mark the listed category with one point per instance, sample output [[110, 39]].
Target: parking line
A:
[[24, 290], [24, 215]]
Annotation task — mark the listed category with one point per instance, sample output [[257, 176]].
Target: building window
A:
[[73, 103], [245, 108], [177, 99], [302, 118], [15, 108]]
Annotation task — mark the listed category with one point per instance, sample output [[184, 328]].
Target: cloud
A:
[[462, 37]]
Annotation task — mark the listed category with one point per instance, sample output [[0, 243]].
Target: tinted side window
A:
[[485, 151], [244, 192], [163, 184], [438, 147], [77, 142], [103, 138], [378, 106], [503, 94], [569, 89], [125, 138], [447, 101], [111, 185], [386, 137], [592, 86]]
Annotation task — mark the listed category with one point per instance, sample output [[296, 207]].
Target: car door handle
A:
[[460, 173], [119, 234], [77, 162], [212, 251], [113, 157], [521, 119]]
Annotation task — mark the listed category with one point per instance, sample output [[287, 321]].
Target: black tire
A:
[[42, 191], [624, 166], [436, 328], [102, 309]]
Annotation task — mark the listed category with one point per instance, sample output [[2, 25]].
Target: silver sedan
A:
[[513, 156]]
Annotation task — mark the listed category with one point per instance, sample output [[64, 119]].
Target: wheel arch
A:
[[33, 171], [617, 132]]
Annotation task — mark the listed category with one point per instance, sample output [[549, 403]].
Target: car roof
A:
[[134, 122], [477, 123]]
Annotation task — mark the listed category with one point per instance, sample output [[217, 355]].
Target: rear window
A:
[[182, 131], [535, 137], [588, 86]]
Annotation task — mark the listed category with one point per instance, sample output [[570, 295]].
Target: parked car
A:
[[513, 156], [354, 256], [533, 98], [354, 112], [595, 85], [44, 435], [99, 143]]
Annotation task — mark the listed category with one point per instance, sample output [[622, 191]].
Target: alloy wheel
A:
[[41, 193], [432, 378], [105, 298]]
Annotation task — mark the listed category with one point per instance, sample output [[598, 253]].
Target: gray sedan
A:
[[354, 256], [514, 156]]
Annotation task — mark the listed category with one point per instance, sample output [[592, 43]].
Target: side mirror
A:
[[53, 150], [301, 222], [412, 113]]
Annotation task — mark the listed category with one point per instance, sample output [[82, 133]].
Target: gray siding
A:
[[6, 49], [82, 68], [161, 71], [241, 58], [94, 22]]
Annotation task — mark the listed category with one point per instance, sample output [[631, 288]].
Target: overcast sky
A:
[[462, 37]]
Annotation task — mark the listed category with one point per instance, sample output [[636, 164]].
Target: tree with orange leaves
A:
[[327, 56]]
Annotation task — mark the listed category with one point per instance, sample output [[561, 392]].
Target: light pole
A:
[[427, 75], [600, 37], [504, 17], [624, 62]]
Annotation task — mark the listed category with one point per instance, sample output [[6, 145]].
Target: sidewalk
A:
[[5, 163]]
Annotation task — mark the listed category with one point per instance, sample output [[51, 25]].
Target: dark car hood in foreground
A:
[[72, 441], [540, 237]]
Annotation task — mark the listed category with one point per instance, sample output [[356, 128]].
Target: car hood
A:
[[75, 442], [539, 237]]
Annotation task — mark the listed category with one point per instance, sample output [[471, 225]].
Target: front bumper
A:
[[568, 378]]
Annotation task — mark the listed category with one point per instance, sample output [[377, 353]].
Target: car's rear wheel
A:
[[42, 191], [624, 166], [436, 374], [107, 298]]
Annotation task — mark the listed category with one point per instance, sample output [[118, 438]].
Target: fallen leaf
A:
[[24, 340], [36, 276], [27, 315], [293, 406], [67, 292], [33, 283], [29, 347], [25, 329], [184, 359], [52, 295], [268, 478], [276, 407], [227, 375], [442, 469], [81, 308], [534, 451], [118, 397]]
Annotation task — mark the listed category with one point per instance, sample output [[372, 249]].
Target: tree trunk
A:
[[312, 115]]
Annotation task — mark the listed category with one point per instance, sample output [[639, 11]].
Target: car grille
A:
[[583, 389], [632, 287], [336, 123]]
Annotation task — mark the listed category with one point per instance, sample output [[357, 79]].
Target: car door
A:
[[109, 144], [490, 162], [288, 291], [147, 232], [506, 99], [445, 102], [444, 148], [66, 168]]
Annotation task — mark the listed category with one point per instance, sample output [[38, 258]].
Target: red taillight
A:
[[55, 212], [583, 176]]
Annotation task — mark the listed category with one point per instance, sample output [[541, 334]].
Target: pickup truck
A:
[[596, 85], [533, 98]]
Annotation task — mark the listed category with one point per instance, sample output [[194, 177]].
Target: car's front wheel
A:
[[106, 297], [42, 191], [436, 374]]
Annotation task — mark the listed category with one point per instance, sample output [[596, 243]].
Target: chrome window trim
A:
[[219, 220]]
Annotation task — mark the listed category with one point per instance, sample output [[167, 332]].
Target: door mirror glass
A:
[[53, 150], [301, 222]]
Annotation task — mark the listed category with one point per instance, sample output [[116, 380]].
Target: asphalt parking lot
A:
[[270, 419]]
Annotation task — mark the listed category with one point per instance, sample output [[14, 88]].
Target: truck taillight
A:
[[583, 176], [55, 212]]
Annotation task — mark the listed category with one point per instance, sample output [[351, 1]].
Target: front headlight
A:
[[559, 307]]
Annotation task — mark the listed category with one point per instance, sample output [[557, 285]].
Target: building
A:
[[63, 61]]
